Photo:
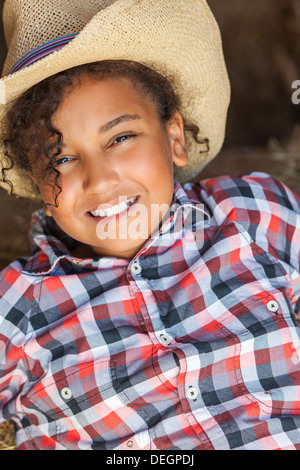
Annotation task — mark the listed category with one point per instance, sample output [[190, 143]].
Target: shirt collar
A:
[[51, 247]]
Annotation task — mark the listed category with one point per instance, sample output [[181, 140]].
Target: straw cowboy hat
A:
[[179, 38]]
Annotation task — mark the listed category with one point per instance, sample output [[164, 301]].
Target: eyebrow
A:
[[123, 118]]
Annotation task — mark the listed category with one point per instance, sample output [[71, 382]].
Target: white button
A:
[[136, 268], [129, 443], [192, 393], [165, 339], [66, 393], [272, 306]]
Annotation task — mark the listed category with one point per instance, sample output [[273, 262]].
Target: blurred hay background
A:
[[262, 49]]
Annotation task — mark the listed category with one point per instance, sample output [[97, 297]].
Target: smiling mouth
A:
[[114, 210]]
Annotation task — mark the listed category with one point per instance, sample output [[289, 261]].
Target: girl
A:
[[151, 314]]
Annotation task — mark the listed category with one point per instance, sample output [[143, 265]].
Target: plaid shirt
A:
[[192, 344]]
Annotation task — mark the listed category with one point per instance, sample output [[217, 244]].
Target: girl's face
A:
[[116, 167]]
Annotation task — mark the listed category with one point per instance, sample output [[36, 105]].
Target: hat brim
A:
[[178, 38]]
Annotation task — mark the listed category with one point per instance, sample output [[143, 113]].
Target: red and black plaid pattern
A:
[[193, 344]]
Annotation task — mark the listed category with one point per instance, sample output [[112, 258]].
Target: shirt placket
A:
[[189, 393]]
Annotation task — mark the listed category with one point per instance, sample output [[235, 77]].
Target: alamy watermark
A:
[[141, 222]]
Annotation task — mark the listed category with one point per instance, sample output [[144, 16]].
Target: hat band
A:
[[40, 52]]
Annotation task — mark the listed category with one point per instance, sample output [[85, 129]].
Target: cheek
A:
[[64, 187], [152, 160]]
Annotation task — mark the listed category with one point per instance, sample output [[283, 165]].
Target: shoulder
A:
[[15, 295], [261, 206], [10, 275], [249, 196]]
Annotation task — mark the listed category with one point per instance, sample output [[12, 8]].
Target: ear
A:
[[48, 211], [175, 131]]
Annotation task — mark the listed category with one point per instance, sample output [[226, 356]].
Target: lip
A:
[[115, 218], [114, 202]]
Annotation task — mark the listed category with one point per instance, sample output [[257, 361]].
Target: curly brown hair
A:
[[30, 135]]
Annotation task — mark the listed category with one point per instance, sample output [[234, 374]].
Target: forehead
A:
[[89, 109], [104, 95]]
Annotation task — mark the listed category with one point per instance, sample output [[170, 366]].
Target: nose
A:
[[99, 177]]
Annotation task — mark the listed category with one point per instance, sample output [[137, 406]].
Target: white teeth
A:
[[117, 209]]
